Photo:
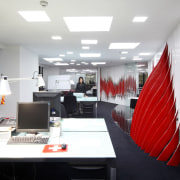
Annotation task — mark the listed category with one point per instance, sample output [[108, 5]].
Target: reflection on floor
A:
[[122, 115]]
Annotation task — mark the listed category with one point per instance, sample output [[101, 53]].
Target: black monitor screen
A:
[[33, 117], [53, 98]]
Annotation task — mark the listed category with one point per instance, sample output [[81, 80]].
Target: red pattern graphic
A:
[[153, 125], [124, 86], [3, 100]]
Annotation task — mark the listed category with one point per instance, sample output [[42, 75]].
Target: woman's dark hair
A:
[[82, 79]]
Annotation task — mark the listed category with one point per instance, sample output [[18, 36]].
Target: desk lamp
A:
[[4, 88], [40, 80]]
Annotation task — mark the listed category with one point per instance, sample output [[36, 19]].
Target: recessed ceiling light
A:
[[79, 24], [89, 41], [137, 58], [73, 60], [61, 55], [34, 16], [78, 64], [56, 37], [53, 59], [71, 63], [122, 58], [61, 64], [140, 18], [71, 70], [85, 47], [124, 52], [88, 70], [140, 65], [123, 45], [90, 55], [96, 63], [69, 52], [85, 63], [144, 54]]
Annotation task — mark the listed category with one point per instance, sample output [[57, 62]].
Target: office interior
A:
[[57, 52]]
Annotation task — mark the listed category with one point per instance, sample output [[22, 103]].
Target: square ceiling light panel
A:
[[85, 47], [140, 19], [56, 37], [61, 64], [137, 58], [98, 63], [89, 41], [89, 23], [34, 16], [123, 45], [53, 59]]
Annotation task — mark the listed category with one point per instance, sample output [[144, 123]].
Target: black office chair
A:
[[63, 111], [88, 109], [70, 104], [95, 92]]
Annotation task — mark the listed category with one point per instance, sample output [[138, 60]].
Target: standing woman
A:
[[81, 86]]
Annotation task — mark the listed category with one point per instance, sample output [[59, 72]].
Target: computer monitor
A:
[[33, 117], [55, 101]]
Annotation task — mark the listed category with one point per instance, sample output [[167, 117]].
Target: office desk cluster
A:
[[88, 143]]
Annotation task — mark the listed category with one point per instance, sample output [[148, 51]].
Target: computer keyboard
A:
[[28, 140]]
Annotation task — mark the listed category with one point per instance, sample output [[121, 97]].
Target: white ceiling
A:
[[164, 15]]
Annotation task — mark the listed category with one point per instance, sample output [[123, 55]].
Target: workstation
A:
[[89, 90]]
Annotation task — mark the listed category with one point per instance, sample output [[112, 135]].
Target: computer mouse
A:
[[63, 146]]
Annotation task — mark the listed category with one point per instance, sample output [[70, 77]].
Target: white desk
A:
[[80, 145], [84, 148], [84, 124], [83, 99]]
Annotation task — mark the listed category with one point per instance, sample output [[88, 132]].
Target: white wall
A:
[[15, 63], [116, 73], [28, 64], [174, 49], [9, 65]]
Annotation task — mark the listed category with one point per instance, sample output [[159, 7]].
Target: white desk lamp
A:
[[40, 80], [4, 86]]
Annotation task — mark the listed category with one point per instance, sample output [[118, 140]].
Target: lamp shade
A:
[[4, 86], [40, 81]]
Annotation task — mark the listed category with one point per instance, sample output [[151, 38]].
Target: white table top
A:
[[83, 99], [133, 97], [80, 145], [83, 124]]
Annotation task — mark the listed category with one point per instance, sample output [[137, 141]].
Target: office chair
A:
[[70, 104], [88, 109], [63, 111], [95, 92]]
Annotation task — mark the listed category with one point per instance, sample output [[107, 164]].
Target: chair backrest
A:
[[70, 104], [94, 92], [63, 111]]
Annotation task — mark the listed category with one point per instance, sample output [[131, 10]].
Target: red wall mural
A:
[[153, 125], [122, 88]]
